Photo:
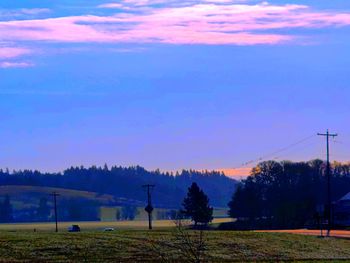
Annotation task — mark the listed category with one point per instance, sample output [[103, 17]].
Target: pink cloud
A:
[[7, 54], [208, 23], [111, 5], [143, 2], [237, 173], [13, 52], [9, 64]]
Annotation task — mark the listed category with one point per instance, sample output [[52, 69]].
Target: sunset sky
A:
[[202, 84]]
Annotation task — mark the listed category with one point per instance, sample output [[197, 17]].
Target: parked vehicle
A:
[[108, 229], [74, 228]]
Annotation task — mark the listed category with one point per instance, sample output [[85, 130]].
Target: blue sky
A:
[[170, 84]]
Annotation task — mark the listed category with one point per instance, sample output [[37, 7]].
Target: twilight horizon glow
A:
[[202, 84]]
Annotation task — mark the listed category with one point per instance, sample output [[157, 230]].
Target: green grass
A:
[[134, 246]]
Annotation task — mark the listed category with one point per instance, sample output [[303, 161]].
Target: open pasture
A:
[[157, 246], [95, 226]]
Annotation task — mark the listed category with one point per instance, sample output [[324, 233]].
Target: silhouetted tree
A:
[[6, 210], [43, 211], [196, 206], [129, 212], [75, 210], [118, 214], [286, 194]]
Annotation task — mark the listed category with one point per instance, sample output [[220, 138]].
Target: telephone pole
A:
[[328, 176], [54, 194], [149, 207]]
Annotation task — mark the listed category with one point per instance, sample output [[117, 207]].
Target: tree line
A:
[[126, 182], [286, 194], [276, 195]]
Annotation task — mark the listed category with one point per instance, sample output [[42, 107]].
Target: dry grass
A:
[[90, 226], [134, 246]]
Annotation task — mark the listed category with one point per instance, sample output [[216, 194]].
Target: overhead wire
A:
[[265, 156]]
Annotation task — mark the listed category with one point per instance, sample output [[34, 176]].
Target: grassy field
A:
[[109, 213], [145, 246], [95, 226]]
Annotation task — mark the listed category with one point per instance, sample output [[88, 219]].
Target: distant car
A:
[[108, 229], [74, 228]]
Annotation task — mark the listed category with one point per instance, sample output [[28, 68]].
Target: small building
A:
[[341, 211]]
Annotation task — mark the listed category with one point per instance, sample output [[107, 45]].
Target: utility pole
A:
[[54, 194], [149, 207], [328, 176]]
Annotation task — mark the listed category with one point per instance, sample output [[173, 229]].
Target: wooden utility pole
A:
[[149, 207], [328, 176], [54, 194]]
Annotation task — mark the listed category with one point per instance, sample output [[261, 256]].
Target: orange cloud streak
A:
[[236, 173]]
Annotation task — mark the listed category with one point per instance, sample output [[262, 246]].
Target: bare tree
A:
[[184, 243]]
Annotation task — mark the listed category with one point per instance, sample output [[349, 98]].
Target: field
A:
[[139, 245], [109, 213], [95, 226]]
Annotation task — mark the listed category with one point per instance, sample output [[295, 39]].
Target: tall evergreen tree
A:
[[196, 206]]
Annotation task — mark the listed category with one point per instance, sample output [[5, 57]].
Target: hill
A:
[[25, 197], [35, 203], [126, 182]]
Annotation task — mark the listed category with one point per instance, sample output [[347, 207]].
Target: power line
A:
[[296, 149], [264, 157], [341, 143]]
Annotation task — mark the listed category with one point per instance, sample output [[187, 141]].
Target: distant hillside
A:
[[75, 205], [120, 182], [35, 203], [26, 197], [25, 190]]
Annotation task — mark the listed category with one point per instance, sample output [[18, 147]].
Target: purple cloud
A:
[[210, 23]]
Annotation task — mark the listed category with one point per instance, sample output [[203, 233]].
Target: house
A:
[[341, 211]]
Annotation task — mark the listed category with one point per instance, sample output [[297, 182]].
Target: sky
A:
[[201, 84]]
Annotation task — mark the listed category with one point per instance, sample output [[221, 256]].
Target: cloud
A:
[[112, 5], [34, 11], [237, 173], [225, 1], [216, 22], [13, 52], [22, 13], [143, 3], [127, 50], [10, 64], [8, 54]]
